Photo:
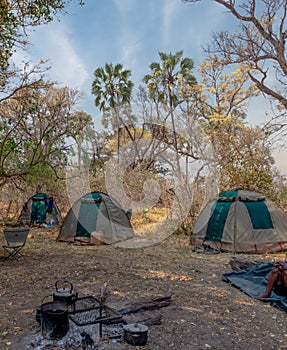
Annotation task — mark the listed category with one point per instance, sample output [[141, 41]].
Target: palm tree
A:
[[166, 79], [113, 88]]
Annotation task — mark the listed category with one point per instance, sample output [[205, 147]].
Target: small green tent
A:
[[241, 220], [96, 218], [39, 209]]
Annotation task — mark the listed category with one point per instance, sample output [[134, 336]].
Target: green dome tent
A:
[[241, 221], [40, 209], [96, 218]]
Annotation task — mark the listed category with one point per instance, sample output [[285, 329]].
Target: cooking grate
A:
[[88, 310]]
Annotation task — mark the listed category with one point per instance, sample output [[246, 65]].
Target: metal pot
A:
[[65, 293], [54, 318], [135, 334]]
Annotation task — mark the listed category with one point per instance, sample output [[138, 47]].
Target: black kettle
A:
[[64, 292]]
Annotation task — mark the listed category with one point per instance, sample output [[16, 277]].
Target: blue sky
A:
[[130, 32]]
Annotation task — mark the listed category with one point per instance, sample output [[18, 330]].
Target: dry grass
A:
[[206, 313]]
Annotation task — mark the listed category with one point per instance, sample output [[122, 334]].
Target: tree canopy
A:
[[36, 118], [259, 42], [33, 113], [16, 18], [33, 128]]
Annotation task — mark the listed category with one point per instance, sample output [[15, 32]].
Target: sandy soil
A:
[[205, 312]]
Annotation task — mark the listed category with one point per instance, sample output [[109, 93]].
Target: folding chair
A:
[[15, 241]]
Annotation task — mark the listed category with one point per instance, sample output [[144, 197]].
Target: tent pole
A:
[[235, 223]]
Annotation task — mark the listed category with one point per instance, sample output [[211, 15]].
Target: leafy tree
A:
[[16, 18], [32, 133], [81, 129], [167, 76], [33, 130], [244, 157], [112, 88], [165, 82], [259, 43], [242, 153]]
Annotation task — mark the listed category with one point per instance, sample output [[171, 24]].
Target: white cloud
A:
[[124, 5], [54, 43], [66, 61], [20, 57], [169, 10], [128, 42], [129, 52]]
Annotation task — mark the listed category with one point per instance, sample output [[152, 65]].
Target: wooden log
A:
[[146, 304]]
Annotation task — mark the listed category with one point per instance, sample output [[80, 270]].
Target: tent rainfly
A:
[[241, 221], [39, 209], [96, 218]]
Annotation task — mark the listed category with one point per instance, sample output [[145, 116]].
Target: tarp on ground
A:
[[253, 280]]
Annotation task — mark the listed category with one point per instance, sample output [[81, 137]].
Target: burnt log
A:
[[146, 304]]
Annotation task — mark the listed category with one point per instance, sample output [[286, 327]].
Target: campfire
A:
[[71, 322], [80, 338]]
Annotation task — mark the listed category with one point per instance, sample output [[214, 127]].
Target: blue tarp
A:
[[252, 281]]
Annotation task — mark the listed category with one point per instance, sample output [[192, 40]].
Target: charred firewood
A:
[[146, 304]]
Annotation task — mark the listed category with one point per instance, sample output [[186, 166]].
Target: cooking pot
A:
[[64, 292], [135, 334], [54, 320]]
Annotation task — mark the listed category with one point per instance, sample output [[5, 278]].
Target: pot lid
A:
[[135, 328]]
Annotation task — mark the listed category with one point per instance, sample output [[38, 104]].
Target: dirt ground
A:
[[205, 312]]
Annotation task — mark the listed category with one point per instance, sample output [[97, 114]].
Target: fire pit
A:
[[89, 310], [83, 313]]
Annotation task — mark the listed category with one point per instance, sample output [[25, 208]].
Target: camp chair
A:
[[15, 241]]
